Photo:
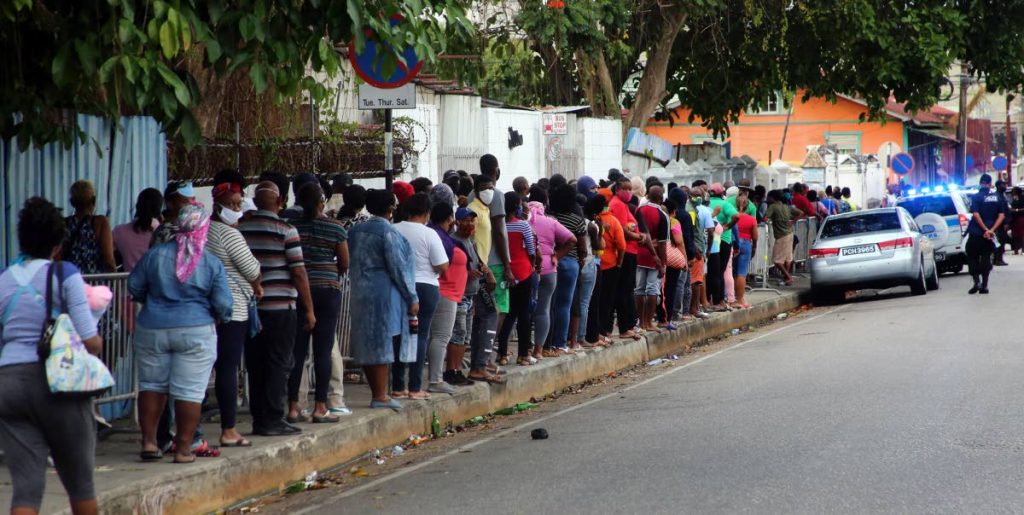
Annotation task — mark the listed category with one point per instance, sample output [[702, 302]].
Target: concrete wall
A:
[[600, 145], [525, 160]]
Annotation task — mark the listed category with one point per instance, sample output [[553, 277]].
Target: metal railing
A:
[[806, 231], [116, 327]]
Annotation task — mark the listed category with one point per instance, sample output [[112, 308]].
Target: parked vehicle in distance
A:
[[877, 248], [951, 205]]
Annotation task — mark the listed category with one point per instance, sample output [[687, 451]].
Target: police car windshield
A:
[[864, 223], [941, 205]]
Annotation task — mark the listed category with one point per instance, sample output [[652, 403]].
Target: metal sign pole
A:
[[389, 151]]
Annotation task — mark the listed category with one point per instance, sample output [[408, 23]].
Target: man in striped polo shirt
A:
[[268, 355]]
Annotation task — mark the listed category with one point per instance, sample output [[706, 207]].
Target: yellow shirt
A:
[[482, 236]]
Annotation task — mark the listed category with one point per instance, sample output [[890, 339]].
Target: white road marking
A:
[[472, 445]]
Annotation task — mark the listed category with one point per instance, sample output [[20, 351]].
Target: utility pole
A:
[[1010, 140], [961, 127]]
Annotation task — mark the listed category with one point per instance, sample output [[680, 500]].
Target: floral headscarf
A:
[[193, 224]]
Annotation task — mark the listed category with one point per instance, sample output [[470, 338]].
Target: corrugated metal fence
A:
[[120, 161]]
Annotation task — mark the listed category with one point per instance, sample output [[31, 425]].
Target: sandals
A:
[[503, 361], [150, 456], [419, 396], [404, 394], [241, 442], [295, 420], [523, 362], [203, 451], [327, 418], [491, 379]]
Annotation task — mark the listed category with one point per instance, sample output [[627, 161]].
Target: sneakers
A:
[[457, 378], [441, 387]]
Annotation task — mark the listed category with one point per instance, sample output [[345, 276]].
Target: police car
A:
[[943, 215]]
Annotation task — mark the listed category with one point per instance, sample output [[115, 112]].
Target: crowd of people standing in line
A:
[[438, 276]]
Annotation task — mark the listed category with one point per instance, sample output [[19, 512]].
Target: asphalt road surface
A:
[[888, 403]]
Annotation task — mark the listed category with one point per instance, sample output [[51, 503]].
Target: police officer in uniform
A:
[[988, 210]]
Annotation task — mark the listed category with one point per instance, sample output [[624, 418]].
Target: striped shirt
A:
[[576, 225], [278, 248], [227, 243], [320, 238]]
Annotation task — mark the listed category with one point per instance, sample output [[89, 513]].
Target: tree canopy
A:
[[159, 57], [719, 57]]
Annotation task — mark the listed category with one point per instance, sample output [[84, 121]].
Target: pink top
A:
[[130, 244], [549, 234]]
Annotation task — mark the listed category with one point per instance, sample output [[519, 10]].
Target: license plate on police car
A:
[[858, 250]]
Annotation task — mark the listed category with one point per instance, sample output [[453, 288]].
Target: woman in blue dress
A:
[[383, 286]]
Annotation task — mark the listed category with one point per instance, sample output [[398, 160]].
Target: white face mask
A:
[[229, 216], [486, 196]]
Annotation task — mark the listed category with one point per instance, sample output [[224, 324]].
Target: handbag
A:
[[71, 371], [674, 257], [255, 326]]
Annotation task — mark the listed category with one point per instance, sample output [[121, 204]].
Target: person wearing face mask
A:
[[988, 211], [489, 303], [479, 282], [243, 271], [451, 287], [625, 308], [611, 264], [703, 232]]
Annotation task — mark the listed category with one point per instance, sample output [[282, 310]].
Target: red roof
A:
[[936, 115]]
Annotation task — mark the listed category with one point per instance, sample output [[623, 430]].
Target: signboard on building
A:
[[555, 123], [402, 97]]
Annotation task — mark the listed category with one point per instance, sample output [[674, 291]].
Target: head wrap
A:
[[639, 187], [606, 193], [584, 185], [536, 209], [225, 188], [442, 194], [402, 191], [193, 223]]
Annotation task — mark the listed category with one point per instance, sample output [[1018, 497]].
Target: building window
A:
[[773, 104], [845, 142]]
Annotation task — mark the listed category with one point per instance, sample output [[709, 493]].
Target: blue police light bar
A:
[[953, 187], [912, 192], [939, 189], [926, 190]]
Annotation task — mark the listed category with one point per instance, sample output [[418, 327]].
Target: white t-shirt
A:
[[428, 249]]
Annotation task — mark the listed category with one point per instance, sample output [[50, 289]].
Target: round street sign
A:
[[902, 163], [1000, 163], [369, 66]]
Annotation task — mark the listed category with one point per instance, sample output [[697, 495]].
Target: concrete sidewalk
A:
[[126, 485]]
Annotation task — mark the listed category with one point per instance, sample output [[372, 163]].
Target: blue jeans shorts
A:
[[741, 263], [176, 361], [647, 282]]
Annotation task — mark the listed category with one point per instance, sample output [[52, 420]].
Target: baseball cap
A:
[[717, 189], [463, 213], [732, 191], [183, 188]]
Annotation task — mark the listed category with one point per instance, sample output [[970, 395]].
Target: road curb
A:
[[210, 485]]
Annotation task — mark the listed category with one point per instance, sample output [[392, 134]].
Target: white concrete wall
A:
[[600, 146], [526, 160]]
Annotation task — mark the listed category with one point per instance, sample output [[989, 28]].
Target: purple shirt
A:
[[550, 234]]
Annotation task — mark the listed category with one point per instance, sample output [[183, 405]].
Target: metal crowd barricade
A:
[[116, 327], [761, 264]]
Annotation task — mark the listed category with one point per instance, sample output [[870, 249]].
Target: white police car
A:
[[943, 215]]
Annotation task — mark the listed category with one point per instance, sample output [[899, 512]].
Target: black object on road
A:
[[539, 434]]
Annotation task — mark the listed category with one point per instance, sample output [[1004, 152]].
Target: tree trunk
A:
[[608, 104], [651, 90]]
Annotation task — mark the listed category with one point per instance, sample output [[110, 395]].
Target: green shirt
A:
[[779, 215], [751, 208], [724, 217]]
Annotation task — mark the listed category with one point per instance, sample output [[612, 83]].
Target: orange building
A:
[[814, 122]]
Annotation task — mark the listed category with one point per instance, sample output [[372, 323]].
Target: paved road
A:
[[890, 403]]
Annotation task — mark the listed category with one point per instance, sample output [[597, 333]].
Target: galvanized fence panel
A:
[[116, 327], [761, 264], [806, 231]]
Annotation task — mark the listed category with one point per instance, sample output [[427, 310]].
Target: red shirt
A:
[[627, 220], [521, 248], [800, 202], [452, 282], [746, 226], [657, 225]]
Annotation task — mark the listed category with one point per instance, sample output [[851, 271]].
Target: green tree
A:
[[719, 57], [161, 57]]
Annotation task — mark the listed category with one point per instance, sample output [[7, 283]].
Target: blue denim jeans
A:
[[542, 313], [428, 294], [561, 305], [588, 278]]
